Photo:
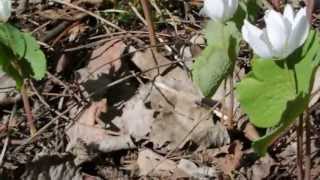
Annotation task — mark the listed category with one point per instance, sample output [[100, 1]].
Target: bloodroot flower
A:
[[220, 10], [282, 36]]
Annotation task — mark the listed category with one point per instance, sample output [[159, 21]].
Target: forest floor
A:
[[114, 107]]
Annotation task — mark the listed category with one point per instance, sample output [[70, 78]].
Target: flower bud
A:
[[219, 10]]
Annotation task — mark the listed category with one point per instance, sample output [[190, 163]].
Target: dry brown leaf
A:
[[104, 63], [62, 14], [192, 49], [174, 115], [178, 114], [75, 31], [136, 119], [8, 94], [90, 133], [107, 58], [50, 167], [231, 161], [261, 168], [149, 160], [150, 60], [85, 128], [202, 172], [171, 115]]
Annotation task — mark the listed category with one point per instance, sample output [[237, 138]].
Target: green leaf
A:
[[11, 37], [275, 93], [217, 60], [26, 50], [247, 9], [35, 57], [6, 65]]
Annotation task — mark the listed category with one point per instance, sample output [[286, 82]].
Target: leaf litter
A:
[[129, 118]]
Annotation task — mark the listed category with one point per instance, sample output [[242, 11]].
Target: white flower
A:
[[5, 10], [219, 10], [283, 33]]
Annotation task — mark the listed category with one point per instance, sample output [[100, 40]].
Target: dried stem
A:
[[300, 148], [147, 15], [27, 109], [308, 164], [276, 4], [310, 8], [231, 101]]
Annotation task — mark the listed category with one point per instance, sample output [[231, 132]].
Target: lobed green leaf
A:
[[275, 93], [217, 61], [27, 59]]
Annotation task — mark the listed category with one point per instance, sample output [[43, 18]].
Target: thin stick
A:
[[4, 149], [27, 109], [310, 8], [231, 101], [223, 102], [308, 164], [300, 148], [89, 13], [276, 4], [45, 103], [147, 15], [30, 139], [135, 10]]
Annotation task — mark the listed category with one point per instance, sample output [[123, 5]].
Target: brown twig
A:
[[276, 4], [43, 129], [45, 103], [231, 103], [27, 109], [55, 31], [135, 10], [147, 15], [310, 8], [308, 147], [89, 13], [300, 148]]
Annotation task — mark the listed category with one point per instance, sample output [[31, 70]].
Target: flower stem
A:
[[231, 102], [300, 171], [300, 148], [27, 109], [308, 147], [147, 14]]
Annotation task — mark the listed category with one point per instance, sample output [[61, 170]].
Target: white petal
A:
[[256, 39], [5, 10], [214, 9], [288, 13], [232, 6], [300, 30], [203, 12], [277, 31]]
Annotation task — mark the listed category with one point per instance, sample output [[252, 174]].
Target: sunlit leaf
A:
[[275, 93], [217, 61], [27, 57]]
